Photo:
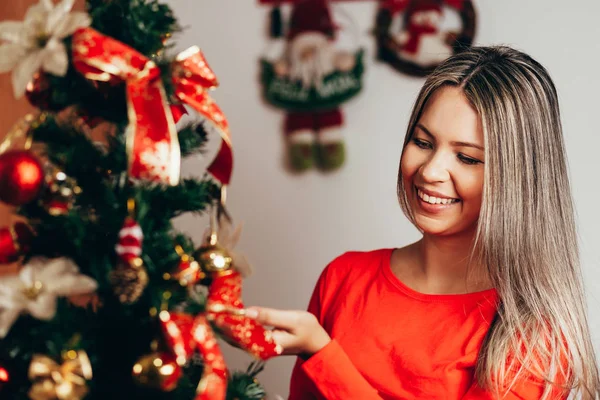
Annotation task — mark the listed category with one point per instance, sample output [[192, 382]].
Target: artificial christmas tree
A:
[[110, 300]]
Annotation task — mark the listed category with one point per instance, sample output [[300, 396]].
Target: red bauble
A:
[[21, 177], [39, 92], [14, 242]]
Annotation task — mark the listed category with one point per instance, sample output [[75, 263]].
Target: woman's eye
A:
[[421, 143], [468, 160]]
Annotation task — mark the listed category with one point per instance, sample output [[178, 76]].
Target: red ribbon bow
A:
[[152, 143]]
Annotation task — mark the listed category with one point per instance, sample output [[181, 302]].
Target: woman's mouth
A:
[[432, 203]]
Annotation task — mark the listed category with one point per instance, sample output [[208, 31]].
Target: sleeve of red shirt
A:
[[331, 373]]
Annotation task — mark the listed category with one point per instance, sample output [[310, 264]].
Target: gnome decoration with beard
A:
[[420, 44], [310, 80]]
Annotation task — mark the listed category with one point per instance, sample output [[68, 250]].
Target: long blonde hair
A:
[[526, 234]]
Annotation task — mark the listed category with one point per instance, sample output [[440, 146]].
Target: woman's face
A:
[[442, 165]]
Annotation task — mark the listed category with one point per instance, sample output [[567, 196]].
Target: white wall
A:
[[295, 224]]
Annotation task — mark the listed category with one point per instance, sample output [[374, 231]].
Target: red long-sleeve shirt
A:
[[392, 342]]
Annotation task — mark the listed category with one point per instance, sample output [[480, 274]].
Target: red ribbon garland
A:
[[152, 144]]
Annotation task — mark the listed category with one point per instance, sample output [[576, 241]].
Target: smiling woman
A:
[[443, 172], [489, 303]]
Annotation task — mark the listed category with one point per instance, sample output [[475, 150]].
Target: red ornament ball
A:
[[21, 177], [14, 242]]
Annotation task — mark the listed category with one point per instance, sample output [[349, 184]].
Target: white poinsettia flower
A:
[[227, 237], [35, 289], [37, 41]]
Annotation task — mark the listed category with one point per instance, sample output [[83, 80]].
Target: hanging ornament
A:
[[224, 306], [62, 191], [410, 35], [188, 271], [35, 289], [66, 381], [39, 92], [14, 242], [185, 334], [21, 177], [4, 377], [157, 370], [37, 42], [310, 77], [129, 278]]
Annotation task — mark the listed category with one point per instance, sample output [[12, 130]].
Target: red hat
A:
[[311, 16], [425, 5]]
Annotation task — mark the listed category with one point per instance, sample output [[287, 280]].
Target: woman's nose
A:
[[435, 169]]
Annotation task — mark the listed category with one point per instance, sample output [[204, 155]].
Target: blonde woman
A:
[[489, 303]]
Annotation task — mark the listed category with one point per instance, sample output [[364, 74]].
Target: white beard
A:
[[312, 71]]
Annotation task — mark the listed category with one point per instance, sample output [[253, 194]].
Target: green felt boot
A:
[[331, 156]]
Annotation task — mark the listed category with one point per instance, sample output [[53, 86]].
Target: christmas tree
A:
[[110, 301]]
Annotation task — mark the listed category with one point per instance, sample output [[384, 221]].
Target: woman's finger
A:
[[285, 340], [272, 317]]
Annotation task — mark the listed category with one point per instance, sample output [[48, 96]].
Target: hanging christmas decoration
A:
[[410, 36], [185, 335], [37, 41], [129, 278], [61, 191], [21, 177], [35, 289], [157, 370], [310, 80], [66, 381], [14, 242], [224, 306]]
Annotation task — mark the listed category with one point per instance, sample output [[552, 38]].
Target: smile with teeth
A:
[[435, 200]]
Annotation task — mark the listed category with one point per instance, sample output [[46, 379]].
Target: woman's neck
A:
[[441, 265]]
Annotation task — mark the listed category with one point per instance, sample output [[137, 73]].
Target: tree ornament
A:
[[37, 42], [129, 278], [21, 177], [39, 92], [35, 289], [14, 242], [61, 193], [224, 306], [4, 377], [157, 370], [188, 271], [66, 381], [213, 258]]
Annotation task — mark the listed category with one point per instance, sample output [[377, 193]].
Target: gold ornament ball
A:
[[213, 258], [158, 371]]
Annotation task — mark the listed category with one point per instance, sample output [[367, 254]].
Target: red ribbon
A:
[[186, 334], [152, 144]]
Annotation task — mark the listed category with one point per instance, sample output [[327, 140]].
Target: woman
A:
[[489, 303]]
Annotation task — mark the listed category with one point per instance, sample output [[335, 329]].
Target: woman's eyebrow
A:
[[453, 143]]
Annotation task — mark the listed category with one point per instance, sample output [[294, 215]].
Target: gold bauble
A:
[[213, 258], [129, 280], [158, 371]]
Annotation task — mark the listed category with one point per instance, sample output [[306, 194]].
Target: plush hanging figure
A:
[[310, 80]]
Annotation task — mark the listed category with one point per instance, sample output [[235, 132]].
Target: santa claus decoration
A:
[[310, 78], [411, 36]]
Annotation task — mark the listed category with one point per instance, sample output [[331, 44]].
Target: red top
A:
[[391, 342]]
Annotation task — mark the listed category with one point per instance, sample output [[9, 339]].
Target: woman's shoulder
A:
[[357, 263]]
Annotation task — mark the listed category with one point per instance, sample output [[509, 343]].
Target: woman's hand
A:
[[298, 332]]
